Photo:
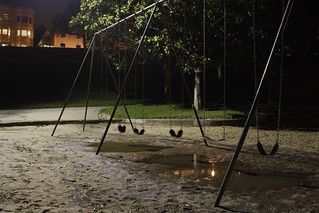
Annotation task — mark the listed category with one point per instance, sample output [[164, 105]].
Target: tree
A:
[[185, 20], [39, 33]]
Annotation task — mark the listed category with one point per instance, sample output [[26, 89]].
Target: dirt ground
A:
[[40, 173]]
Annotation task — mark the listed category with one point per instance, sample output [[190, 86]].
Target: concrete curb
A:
[[45, 123]]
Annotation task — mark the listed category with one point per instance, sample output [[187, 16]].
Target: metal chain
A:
[[101, 65], [255, 66], [182, 123], [224, 61], [171, 105], [119, 50], [125, 39], [204, 63], [280, 78], [106, 70], [143, 87]]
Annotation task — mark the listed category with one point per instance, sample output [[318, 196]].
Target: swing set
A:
[[121, 85]]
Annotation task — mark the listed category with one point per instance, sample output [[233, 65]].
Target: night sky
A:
[[45, 9]]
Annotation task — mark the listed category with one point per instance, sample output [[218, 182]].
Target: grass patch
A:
[[135, 108], [140, 111]]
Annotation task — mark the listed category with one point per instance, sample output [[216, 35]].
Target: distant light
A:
[[213, 173]]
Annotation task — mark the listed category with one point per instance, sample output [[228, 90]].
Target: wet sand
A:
[[40, 173]]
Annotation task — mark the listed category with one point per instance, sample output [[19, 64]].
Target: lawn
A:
[[155, 111], [140, 111]]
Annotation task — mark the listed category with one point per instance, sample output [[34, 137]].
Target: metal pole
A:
[[231, 165], [125, 80], [89, 84], [165, 22], [131, 16], [117, 90], [72, 87]]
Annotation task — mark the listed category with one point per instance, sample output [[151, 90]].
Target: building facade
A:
[[68, 41], [16, 26], [59, 40]]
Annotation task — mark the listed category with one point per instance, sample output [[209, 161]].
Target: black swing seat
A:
[[136, 131], [263, 152], [121, 128], [178, 135], [274, 149], [141, 132], [172, 133]]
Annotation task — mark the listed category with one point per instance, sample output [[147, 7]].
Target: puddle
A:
[[128, 147], [203, 170]]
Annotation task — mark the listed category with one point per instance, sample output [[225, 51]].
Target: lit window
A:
[[24, 33], [5, 32], [9, 32], [18, 32], [29, 33]]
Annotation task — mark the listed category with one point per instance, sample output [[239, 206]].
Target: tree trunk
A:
[[197, 99]]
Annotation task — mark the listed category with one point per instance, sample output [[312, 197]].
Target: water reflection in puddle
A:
[[203, 170], [128, 147]]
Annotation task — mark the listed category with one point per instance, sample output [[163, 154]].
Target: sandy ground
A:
[[40, 173]]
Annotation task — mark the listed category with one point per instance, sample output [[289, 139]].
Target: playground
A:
[[194, 114], [154, 173]]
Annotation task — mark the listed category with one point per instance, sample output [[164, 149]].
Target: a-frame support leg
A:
[[252, 111], [89, 85], [73, 85], [117, 90], [125, 80]]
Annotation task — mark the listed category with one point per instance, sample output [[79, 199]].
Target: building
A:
[[16, 26], [68, 41], [59, 40]]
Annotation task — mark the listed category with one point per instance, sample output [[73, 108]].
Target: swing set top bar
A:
[[130, 16]]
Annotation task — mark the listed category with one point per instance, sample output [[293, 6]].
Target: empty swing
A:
[[180, 132], [172, 132], [122, 65], [136, 130], [260, 147]]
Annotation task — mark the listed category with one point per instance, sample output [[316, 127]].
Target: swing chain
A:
[[255, 67], [225, 61], [281, 73], [204, 64]]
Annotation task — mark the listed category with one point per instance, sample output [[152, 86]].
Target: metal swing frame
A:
[[252, 111], [91, 48], [121, 90], [155, 6]]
